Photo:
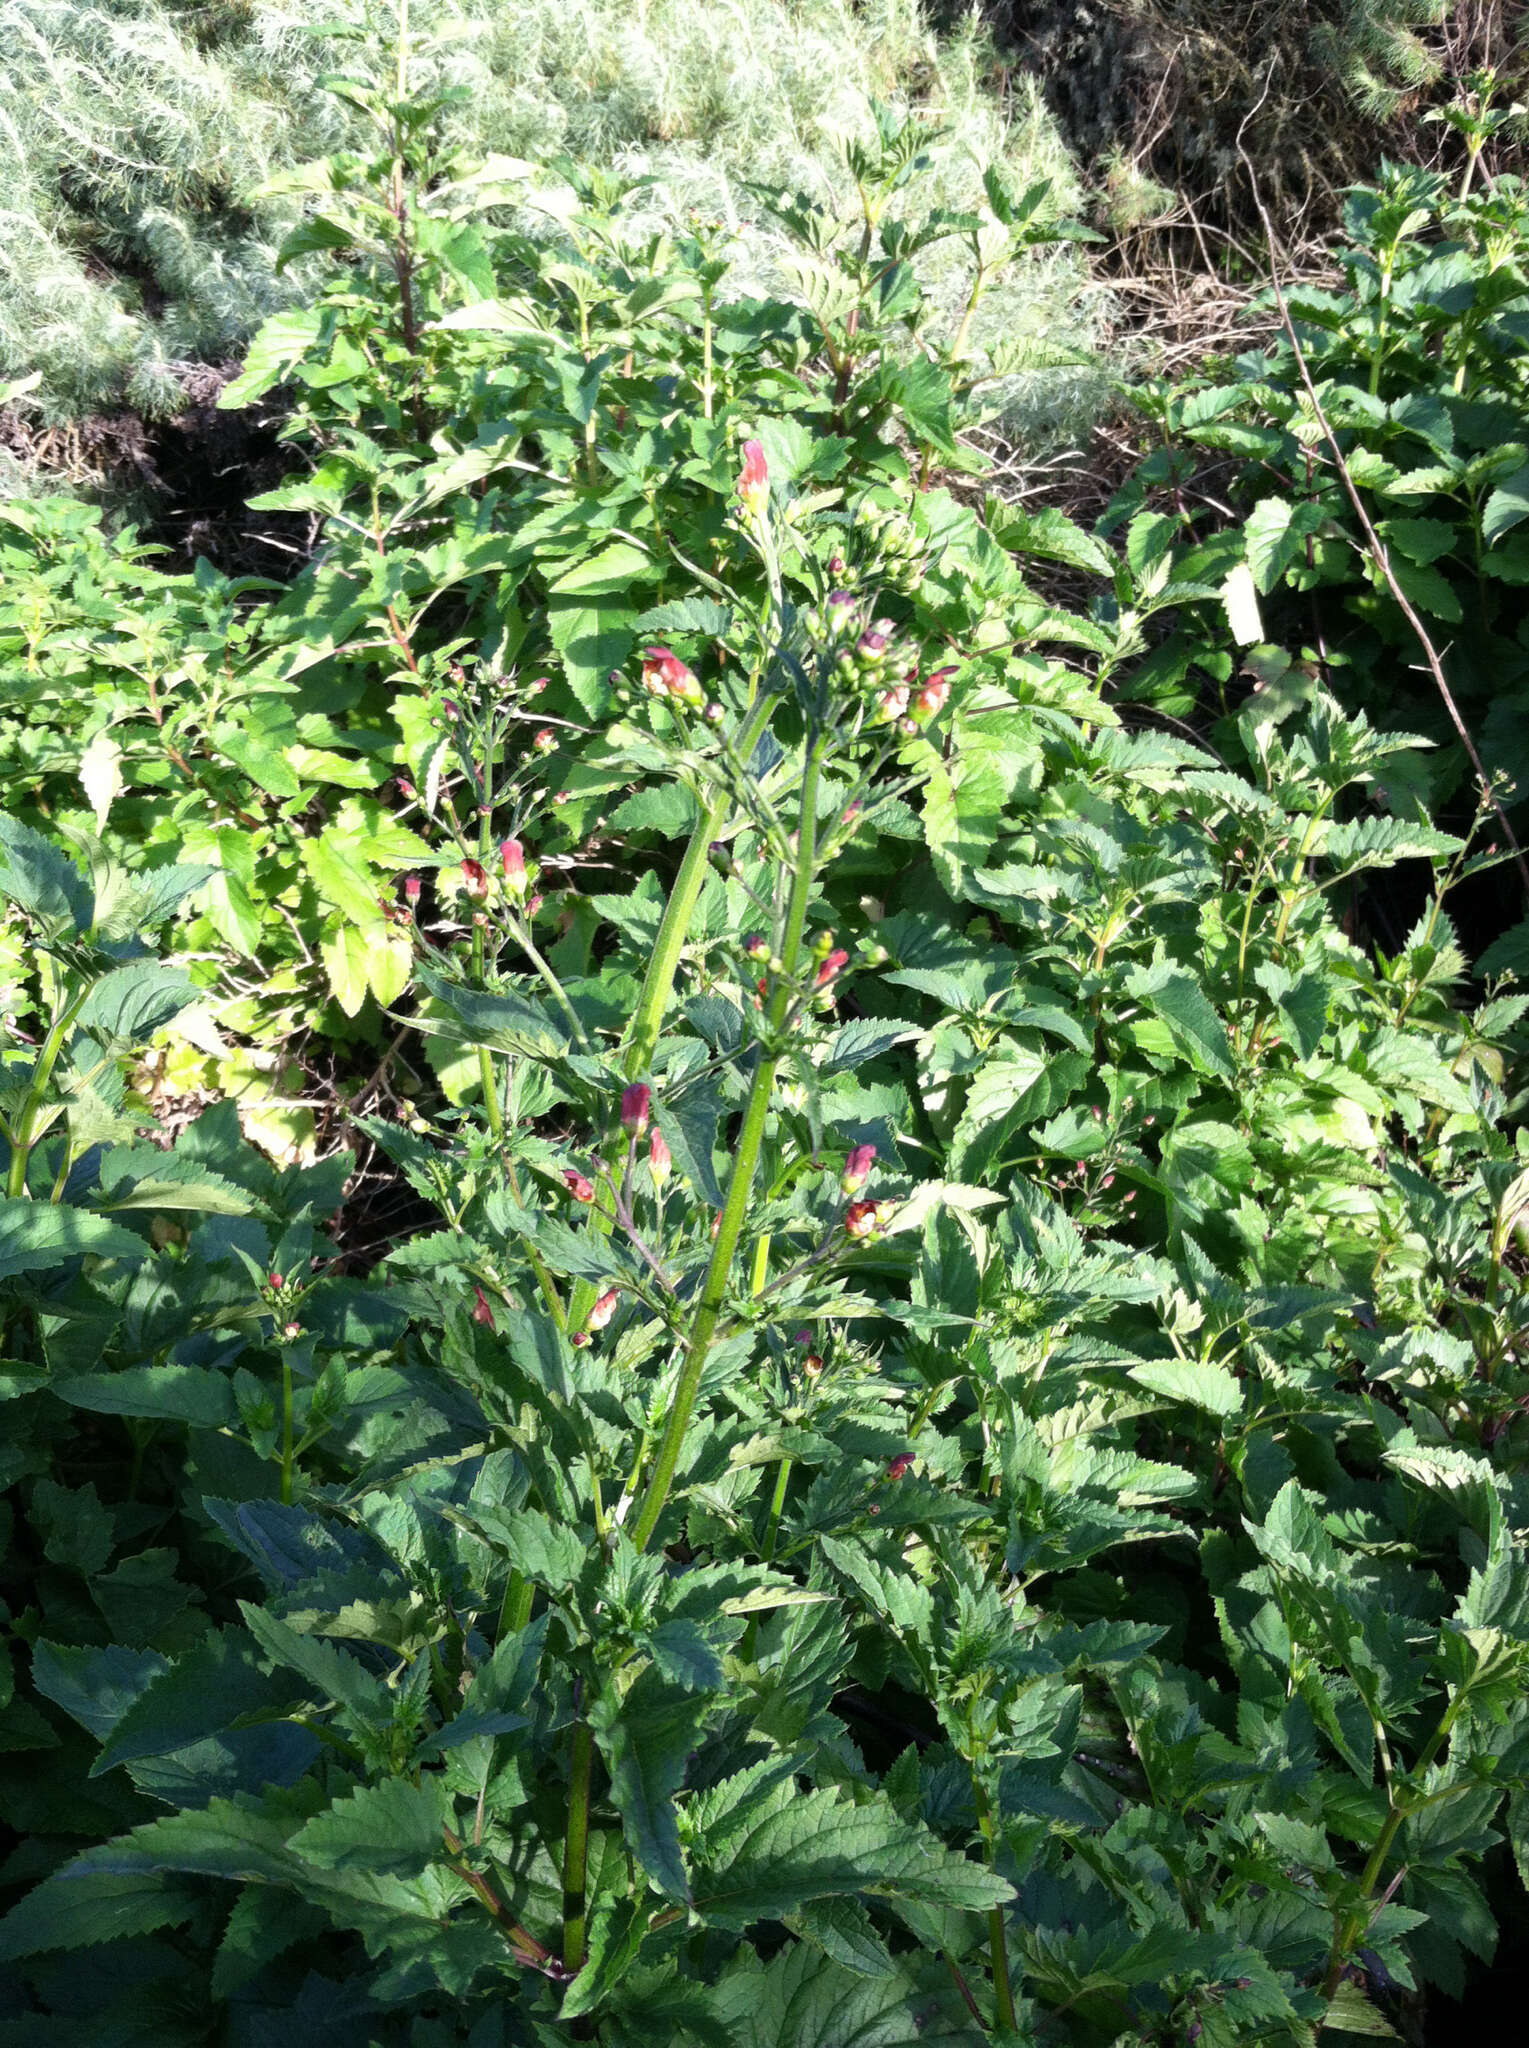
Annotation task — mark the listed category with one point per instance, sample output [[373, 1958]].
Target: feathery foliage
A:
[[136, 138]]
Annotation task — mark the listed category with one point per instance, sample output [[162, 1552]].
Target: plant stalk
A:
[[576, 1847], [740, 1183]]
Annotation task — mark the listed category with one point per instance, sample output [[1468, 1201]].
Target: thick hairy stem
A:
[[576, 1847], [746, 1158]]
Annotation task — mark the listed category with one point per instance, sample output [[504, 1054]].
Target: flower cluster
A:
[[869, 658]]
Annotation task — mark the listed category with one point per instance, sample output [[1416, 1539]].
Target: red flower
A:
[[411, 890], [581, 1189], [891, 705], [857, 1169], [474, 879], [861, 1219], [899, 1466], [830, 968], [636, 1102], [812, 1365], [934, 696], [604, 1309], [482, 1313], [660, 1159], [512, 858], [665, 675], [754, 480], [545, 740]]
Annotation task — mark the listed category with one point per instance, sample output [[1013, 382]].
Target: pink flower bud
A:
[[604, 1309], [406, 789], [291, 1332], [830, 968], [512, 858], [756, 946], [474, 879], [411, 890], [636, 1102], [534, 903], [482, 1313], [754, 480], [277, 1283], [857, 1169], [901, 1465], [577, 1185], [660, 1159]]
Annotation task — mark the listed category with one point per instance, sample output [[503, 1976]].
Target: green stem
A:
[[576, 1848], [24, 1133], [777, 1509], [286, 1430], [658, 982], [1353, 1924], [745, 1160], [515, 1611], [1003, 1989], [663, 966]]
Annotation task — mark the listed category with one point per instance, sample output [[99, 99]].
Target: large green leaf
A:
[[37, 1235], [157, 1393], [38, 879], [217, 1685], [646, 1737], [392, 1826], [775, 1848], [803, 1999], [130, 1003], [1185, 1008]]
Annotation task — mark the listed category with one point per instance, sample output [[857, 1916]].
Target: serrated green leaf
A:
[[157, 1393], [35, 1236], [393, 1826]]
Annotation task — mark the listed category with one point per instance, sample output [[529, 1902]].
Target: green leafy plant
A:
[[939, 1452]]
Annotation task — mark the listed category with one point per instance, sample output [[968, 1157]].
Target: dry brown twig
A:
[[1377, 547]]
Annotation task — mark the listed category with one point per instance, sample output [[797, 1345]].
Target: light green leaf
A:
[[101, 776], [1210, 1387], [1507, 506], [1239, 595], [1182, 1004]]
